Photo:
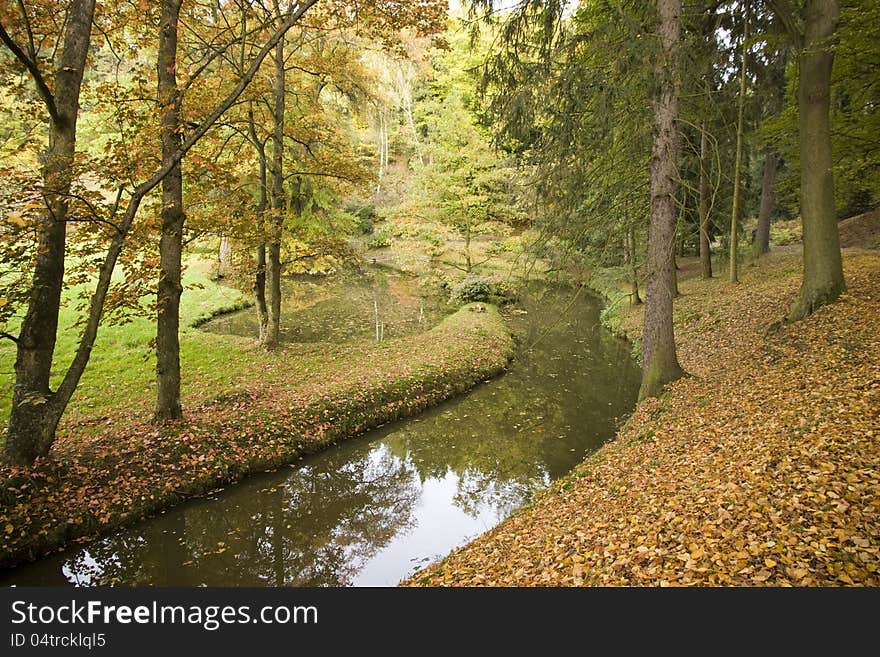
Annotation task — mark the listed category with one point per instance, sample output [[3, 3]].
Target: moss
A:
[[203, 319]]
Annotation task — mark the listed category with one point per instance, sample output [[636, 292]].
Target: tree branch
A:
[[33, 69], [8, 336], [783, 10]]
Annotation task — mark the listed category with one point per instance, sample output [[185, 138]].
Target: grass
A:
[[121, 371]]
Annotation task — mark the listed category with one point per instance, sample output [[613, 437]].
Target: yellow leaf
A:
[[15, 219], [9, 528]]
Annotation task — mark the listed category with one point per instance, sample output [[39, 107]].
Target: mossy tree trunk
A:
[[823, 266], [659, 359], [170, 285], [36, 411]]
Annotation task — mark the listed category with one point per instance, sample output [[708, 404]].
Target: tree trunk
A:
[[171, 243], [260, 276], [467, 243], [675, 291], [383, 136], [629, 243], [224, 257], [705, 245], [35, 412], [412, 127], [682, 210], [262, 204], [273, 270], [768, 199], [823, 266], [733, 274], [659, 360]]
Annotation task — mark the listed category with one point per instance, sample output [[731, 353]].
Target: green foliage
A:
[[379, 240], [460, 181], [206, 317], [514, 244], [569, 96], [478, 288], [365, 215], [855, 122], [783, 233], [471, 290], [433, 239]]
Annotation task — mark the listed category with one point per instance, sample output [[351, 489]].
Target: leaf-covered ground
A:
[[763, 468], [104, 473]]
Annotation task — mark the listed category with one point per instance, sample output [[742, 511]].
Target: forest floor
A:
[[106, 472], [760, 468]]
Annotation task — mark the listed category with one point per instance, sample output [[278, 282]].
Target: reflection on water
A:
[[373, 509], [343, 307]]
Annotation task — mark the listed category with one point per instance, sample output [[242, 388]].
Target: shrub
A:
[[470, 290], [786, 232], [509, 245], [433, 239], [496, 228], [476, 288], [365, 216], [379, 240]]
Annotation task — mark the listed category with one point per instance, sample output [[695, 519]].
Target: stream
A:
[[374, 509]]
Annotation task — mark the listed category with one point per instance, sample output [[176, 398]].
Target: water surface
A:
[[373, 509]]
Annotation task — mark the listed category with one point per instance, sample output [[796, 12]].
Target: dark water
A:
[[373, 509]]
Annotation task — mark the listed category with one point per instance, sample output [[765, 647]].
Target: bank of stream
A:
[[371, 510]]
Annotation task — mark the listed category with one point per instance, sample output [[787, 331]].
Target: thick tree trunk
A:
[[273, 269], [823, 266], [659, 360], [768, 199], [733, 274], [171, 242], [35, 411]]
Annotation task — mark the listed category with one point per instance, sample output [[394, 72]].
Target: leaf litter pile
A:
[[303, 399], [759, 469]]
